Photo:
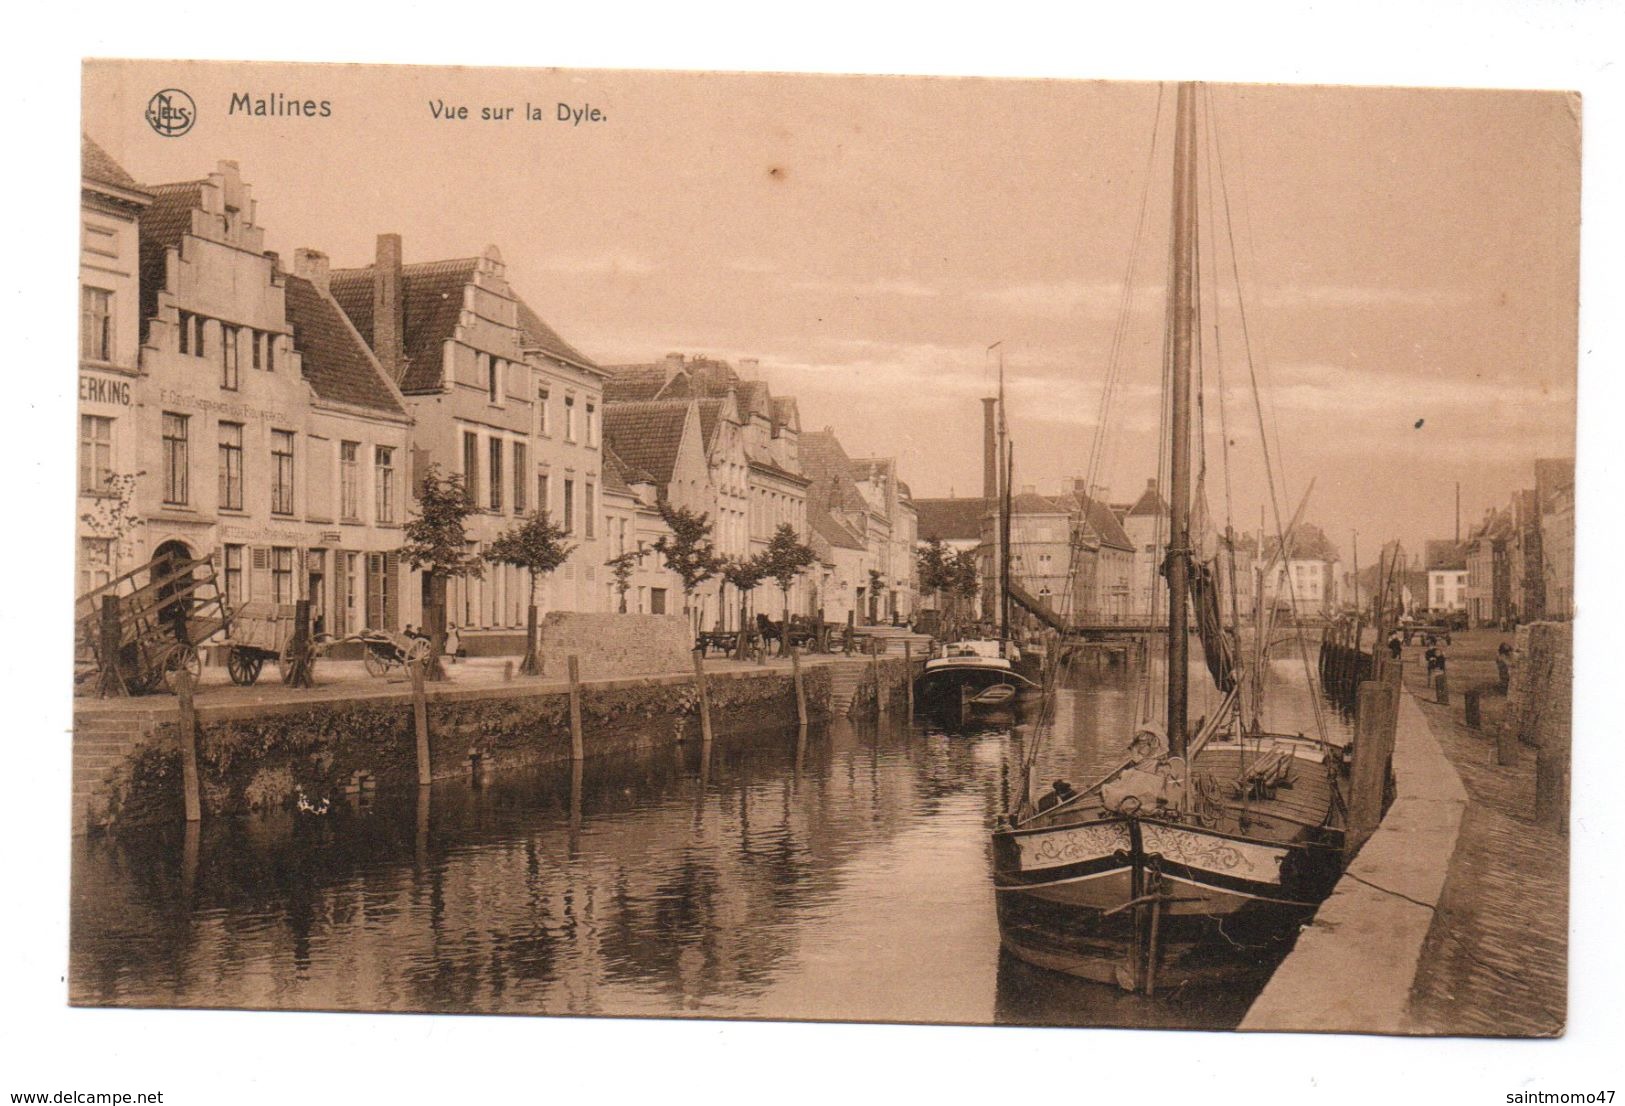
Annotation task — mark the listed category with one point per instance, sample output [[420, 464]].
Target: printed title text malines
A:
[[278, 104]]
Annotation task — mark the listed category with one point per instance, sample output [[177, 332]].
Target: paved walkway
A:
[[1496, 958]]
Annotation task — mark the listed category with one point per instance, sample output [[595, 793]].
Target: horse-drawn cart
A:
[[264, 633], [386, 649], [137, 631]]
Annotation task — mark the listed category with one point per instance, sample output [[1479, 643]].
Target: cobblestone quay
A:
[[1496, 958]]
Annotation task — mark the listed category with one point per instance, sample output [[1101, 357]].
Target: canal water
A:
[[838, 874]]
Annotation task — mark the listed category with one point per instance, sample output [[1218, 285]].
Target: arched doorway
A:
[[166, 559]]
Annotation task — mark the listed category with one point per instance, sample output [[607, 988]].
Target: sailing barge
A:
[[1199, 847]]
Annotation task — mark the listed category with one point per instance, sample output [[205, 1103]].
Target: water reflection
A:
[[830, 872]]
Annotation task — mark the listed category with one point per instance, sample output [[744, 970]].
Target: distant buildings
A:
[[1520, 558], [1306, 581], [1446, 566]]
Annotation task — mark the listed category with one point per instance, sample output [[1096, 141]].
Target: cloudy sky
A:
[[1407, 259]]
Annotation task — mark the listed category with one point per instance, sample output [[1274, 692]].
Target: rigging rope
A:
[[1258, 406]]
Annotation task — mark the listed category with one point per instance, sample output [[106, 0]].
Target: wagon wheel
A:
[[244, 666], [182, 656], [284, 662], [374, 662], [417, 652]]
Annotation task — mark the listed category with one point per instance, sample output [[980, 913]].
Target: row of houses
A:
[[1107, 556], [277, 416], [1517, 563]]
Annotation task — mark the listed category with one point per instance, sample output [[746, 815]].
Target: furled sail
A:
[[1218, 644]]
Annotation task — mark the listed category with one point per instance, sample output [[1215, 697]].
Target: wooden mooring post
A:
[[420, 722], [705, 694], [874, 664], [1373, 749], [801, 691], [572, 666], [300, 650], [908, 674], [1506, 742], [109, 683], [188, 735]]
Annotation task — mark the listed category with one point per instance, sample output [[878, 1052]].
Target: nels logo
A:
[[171, 112]]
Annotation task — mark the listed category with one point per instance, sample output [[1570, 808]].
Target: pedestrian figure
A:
[[1503, 665], [1395, 644], [454, 642], [1435, 660]]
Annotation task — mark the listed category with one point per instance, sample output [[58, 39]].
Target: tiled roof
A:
[[336, 360], [647, 435], [710, 419], [96, 165], [1439, 556], [956, 519], [786, 413], [1027, 503], [767, 464], [1104, 522], [536, 334], [615, 479], [1150, 502], [432, 292], [826, 464], [636, 383], [163, 224], [754, 399], [832, 529]]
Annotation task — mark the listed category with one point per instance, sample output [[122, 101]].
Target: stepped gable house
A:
[[497, 396], [269, 433]]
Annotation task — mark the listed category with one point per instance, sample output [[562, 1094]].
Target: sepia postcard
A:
[[949, 551]]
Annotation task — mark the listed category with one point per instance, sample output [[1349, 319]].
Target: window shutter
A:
[[259, 575], [375, 599], [392, 591]]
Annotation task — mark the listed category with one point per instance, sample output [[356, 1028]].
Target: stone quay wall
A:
[[1540, 706], [127, 757], [1540, 695]]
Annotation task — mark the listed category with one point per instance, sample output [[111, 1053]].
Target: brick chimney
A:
[[312, 265], [388, 306], [990, 449]]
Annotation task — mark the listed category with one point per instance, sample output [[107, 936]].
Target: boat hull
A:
[[945, 688], [1144, 902]]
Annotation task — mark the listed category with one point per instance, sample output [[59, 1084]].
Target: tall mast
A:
[[1004, 508], [1183, 308]]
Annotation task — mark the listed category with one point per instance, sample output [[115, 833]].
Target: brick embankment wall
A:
[[127, 763], [611, 645], [1540, 696]]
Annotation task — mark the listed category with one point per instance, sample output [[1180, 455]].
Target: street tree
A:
[[437, 545], [785, 558], [621, 568], [113, 517], [934, 562], [743, 574], [965, 581], [688, 550], [536, 545]]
